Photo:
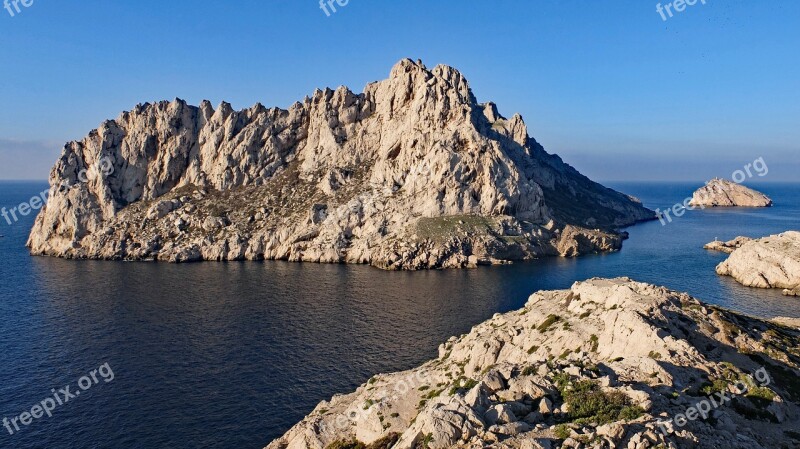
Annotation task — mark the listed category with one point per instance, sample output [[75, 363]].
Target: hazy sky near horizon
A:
[[612, 88]]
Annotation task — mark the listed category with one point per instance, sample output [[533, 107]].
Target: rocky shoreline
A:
[[609, 363], [412, 173], [768, 262], [727, 247]]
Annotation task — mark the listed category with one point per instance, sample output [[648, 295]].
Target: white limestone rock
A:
[[723, 193], [412, 173], [768, 262], [727, 247], [614, 328]]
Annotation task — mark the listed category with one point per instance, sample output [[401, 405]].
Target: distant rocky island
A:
[[609, 363], [412, 173], [723, 193], [769, 262]]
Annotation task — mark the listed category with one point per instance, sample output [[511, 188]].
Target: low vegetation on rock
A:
[[641, 357]]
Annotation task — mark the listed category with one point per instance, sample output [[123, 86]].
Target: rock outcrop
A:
[[723, 193], [769, 262], [787, 321], [727, 247], [411, 173], [607, 364]]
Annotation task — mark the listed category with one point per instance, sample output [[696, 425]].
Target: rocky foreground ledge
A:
[[723, 193], [607, 364], [412, 173], [769, 262]]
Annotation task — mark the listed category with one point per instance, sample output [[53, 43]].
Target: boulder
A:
[[769, 262]]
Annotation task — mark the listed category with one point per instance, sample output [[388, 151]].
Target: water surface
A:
[[230, 355]]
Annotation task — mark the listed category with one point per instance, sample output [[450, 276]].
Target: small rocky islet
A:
[[723, 193]]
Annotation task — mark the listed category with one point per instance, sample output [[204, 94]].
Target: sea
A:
[[231, 355]]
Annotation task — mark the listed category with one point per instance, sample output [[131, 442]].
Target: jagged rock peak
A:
[[411, 173]]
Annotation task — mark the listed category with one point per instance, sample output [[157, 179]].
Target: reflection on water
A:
[[232, 354]]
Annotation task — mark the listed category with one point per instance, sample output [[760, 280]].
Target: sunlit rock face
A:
[[723, 193], [609, 363], [412, 173], [768, 262]]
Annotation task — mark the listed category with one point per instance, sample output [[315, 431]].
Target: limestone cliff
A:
[[609, 363], [412, 173]]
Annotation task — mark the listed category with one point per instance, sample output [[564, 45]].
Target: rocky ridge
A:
[[727, 247], [412, 173], [605, 364], [723, 193], [768, 262]]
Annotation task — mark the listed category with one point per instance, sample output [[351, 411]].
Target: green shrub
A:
[[595, 342], [562, 431], [346, 444], [629, 413], [561, 380], [549, 321], [590, 404], [715, 386], [424, 443], [385, 442], [462, 383]]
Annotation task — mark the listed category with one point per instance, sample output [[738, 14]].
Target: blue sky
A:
[[611, 87]]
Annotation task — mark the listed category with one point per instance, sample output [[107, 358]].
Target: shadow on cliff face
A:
[[571, 197]]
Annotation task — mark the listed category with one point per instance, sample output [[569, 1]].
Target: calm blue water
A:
[[229, 355]]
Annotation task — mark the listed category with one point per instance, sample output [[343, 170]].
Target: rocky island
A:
[[769, 262], [723, 193], [412, 173], [609, 363]]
